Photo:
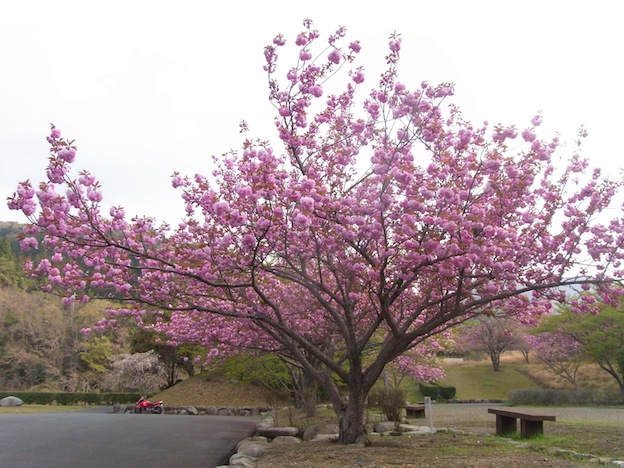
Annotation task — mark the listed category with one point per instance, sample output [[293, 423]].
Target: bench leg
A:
[[505, 425], [529, 429]]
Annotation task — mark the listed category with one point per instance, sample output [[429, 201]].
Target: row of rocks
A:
[[559, 452], [455, 400], [203, 410], [267, 435], [216, 410], [248, 450]]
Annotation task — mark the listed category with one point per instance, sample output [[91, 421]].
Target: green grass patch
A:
[[31, 409], [583, 437], [412, 394], [482, 382], [455, 451]]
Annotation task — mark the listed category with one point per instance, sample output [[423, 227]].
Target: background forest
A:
[[43, 347]]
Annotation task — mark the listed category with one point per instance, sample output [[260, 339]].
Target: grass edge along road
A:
[[32, 409]]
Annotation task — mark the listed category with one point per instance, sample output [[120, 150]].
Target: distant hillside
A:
[[10, 228]]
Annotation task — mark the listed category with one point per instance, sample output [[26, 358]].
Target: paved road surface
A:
[[101, 439]]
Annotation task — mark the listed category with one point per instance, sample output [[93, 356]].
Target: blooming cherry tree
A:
[[379, 220], [421, 363], [560, 352], [597, 338], [493, 336]]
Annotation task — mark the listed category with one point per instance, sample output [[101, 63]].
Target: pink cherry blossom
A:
[[307, 203], [67, 154], [316, 91], [358, 77], [335, 56], [395, 45], [355, 46], [29, 243], [302, 221], [528, 135]]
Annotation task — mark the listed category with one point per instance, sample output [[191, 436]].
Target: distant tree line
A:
[[42, 346]]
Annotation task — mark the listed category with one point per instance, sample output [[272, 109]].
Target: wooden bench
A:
[[531, 425], [415, 411]]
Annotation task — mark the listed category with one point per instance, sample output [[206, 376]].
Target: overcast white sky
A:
[[148, 87]]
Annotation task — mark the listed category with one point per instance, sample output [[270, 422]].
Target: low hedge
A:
[[73, 398], [429, 390], [436, 391], [447, 392], [551, 397]]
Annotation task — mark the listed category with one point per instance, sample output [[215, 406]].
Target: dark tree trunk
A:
[[310, 392], [352, 423], [188, 367], [605, 364], [495, 362], [171, 377]]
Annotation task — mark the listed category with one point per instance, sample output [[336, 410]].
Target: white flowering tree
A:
[[141, 371]]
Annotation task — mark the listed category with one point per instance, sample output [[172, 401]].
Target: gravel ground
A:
[[476, 415], [469, 444]]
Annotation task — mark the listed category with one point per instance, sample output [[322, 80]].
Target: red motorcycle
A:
[[145, 406]]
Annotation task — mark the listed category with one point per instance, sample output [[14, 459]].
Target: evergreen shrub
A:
[[73, 398], [447, 393], [550, 397], [429, 390]]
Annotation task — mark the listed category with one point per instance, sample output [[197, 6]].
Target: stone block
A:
[[11, 401], [272, 432]]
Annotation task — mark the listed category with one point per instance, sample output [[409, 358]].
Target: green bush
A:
[[429, 390], [447, 393], [551, 397], [73, 398]]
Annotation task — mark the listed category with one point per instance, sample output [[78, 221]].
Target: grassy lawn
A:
[[477, 380], [30, 409], [482, 382]]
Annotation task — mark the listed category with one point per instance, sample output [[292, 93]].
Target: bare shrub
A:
[[390, 401]]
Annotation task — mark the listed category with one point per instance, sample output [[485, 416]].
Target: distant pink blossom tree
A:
[[380, 220], [492, 336], [560, 352], [422, 364]]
